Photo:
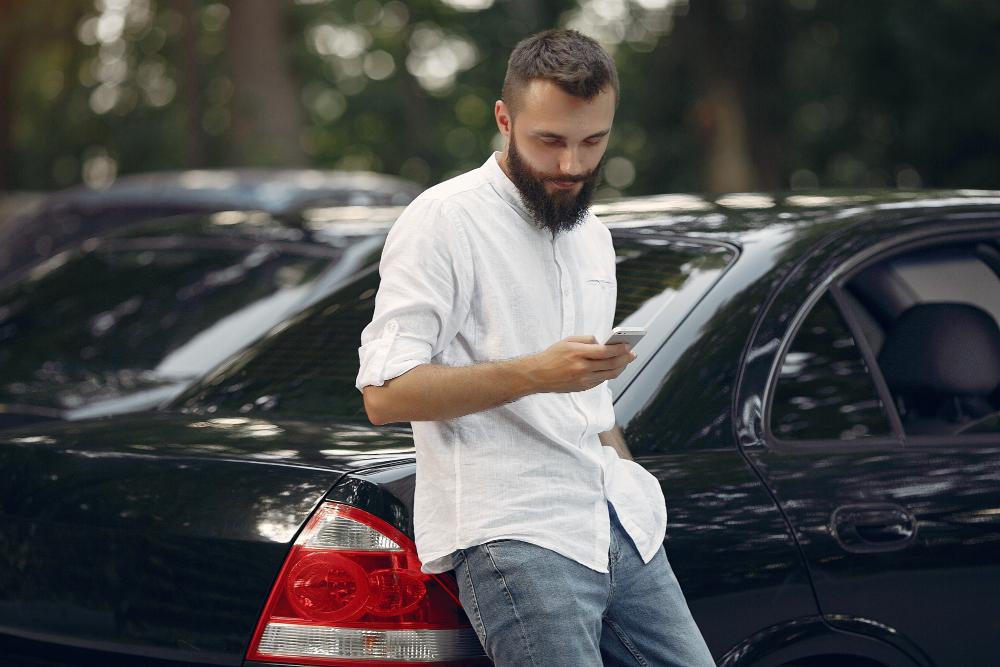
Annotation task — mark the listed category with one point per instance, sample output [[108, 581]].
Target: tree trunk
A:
[[728, 167], [765, 91], [10, 49], [719, 51], [266, 114], [192, 85]]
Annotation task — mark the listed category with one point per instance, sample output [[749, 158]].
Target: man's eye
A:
[[593, 141], [549, 141]]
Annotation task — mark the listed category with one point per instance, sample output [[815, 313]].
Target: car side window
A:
[[934, 315], [824, 390]]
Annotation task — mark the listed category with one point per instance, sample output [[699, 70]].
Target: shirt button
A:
[[391, 326]]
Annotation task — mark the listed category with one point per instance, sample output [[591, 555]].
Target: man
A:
[[498, 288]]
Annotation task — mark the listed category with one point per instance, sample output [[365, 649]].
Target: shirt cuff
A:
[[389, 356]]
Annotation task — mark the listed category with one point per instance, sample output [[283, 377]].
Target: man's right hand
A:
[[576, 363], [433, 393]]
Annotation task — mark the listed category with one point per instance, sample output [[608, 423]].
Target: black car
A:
[[147, 285], [36, 227], [818, 395]]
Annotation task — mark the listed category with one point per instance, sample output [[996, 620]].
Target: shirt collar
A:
[[505, 187]]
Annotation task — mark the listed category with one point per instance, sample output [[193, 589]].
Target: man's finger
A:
[[608, 351], [607, 375], [611, 363]]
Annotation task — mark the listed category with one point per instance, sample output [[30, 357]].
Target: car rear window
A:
[[309, 367], [135, 323]]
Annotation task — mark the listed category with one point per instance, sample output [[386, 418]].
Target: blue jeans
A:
[[532, 607]]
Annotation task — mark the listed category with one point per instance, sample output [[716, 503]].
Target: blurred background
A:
[[717, 95]]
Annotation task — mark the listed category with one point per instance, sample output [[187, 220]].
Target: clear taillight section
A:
[[351, 593]]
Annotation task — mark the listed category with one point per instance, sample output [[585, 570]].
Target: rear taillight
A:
[[351, 593]]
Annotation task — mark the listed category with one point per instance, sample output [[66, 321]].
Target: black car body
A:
[[46, 225], [817, 395], [138, 289]]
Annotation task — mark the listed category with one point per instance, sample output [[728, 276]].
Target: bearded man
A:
[[498, 288]]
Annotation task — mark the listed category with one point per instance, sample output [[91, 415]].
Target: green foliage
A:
[[827, 92]]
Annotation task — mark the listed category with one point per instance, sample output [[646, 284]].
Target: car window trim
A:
[[868, 355], [985, 223], [784, 444], [632, 371]]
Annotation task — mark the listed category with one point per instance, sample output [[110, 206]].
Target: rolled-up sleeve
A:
[[424, 294]]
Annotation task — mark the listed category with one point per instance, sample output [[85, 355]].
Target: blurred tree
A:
[[192, 84], [266, 113], [8, 68], [718, 48], [36, 48], [717, 94], [894, 96]]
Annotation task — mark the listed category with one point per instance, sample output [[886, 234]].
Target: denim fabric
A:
[[531, 606]]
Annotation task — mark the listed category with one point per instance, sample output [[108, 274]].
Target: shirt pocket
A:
[[600, 294]]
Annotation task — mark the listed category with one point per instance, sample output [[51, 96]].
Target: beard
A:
[[557, 212]]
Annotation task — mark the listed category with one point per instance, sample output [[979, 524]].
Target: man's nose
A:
[[569, 162]]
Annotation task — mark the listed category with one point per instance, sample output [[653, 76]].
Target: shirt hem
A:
[[440, 562]]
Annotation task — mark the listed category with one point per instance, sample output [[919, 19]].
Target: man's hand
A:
[[432, 393], [576, 363]]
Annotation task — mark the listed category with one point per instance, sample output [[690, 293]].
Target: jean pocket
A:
[[511, 558]]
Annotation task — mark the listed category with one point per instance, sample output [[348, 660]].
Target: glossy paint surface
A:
[[928, 568], [160, 534]]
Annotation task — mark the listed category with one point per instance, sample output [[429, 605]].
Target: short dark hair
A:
[[574, 62]]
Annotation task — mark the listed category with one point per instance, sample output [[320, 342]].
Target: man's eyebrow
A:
[[553, 135]]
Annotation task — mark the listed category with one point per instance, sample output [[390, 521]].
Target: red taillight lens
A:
[[351, 593], [395, 592], [327, 587]]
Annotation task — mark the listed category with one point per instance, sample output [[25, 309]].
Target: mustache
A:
[[567, 179]]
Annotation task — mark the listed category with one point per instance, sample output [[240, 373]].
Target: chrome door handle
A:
[[873, 528]]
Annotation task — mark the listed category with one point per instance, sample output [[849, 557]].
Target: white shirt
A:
[[467, 277]]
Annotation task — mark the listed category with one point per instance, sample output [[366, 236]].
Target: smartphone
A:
[[630, 335]]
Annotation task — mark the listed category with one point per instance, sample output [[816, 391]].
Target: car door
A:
[[727, 542], [889, 482]]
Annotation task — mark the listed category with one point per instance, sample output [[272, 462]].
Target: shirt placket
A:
[[566, 295], [567, 299]]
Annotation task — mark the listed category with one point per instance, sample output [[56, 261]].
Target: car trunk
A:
[[161, 535]]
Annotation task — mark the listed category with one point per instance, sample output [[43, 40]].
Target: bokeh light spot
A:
[[619, 172], [469, 5], [472, 111], [379, 65], [99, 168]]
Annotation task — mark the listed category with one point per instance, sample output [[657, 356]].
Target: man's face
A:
[[554, 150]]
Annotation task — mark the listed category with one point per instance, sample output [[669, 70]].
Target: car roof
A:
[[275, 191], [743, 212], [72, 215], [779, 227]]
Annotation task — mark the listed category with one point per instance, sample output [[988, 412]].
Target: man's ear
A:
[[503, 117]]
